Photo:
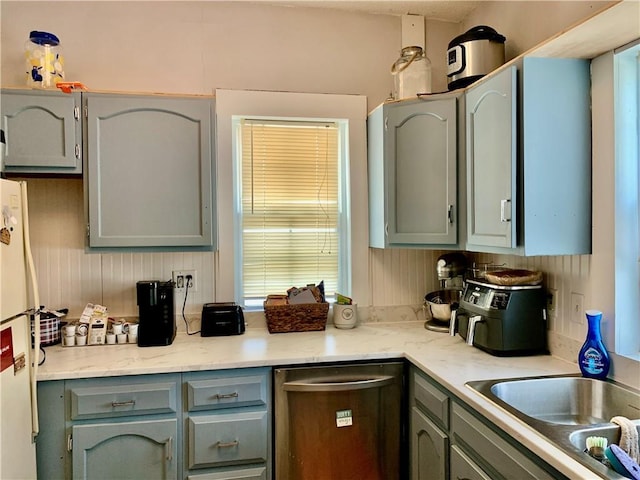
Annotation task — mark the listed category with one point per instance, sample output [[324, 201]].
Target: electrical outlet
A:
[[577, 308], [181, 277]]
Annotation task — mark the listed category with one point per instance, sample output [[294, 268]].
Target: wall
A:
[[195, 47], [526, 24]]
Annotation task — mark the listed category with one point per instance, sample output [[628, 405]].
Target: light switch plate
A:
[[577, 308]]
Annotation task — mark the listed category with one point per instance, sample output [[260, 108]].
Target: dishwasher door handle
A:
[[337, 385]]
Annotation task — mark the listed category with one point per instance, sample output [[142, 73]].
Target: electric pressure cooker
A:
[[472, 55]]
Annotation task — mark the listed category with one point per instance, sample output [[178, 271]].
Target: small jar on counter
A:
[[44, 60]]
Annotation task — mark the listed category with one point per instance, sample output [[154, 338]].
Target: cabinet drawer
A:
[[227, 438], [492, 452], [431, 400], [122, 400], [463, 467], [226, 392], [259, 473]]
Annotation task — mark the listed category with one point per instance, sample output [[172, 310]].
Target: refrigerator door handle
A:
[[36, 316], [337, 384]]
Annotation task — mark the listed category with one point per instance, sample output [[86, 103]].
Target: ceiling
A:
[[446, 10]]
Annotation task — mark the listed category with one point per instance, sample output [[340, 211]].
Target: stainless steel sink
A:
[[568, 400], [611, 432], [567, 410]]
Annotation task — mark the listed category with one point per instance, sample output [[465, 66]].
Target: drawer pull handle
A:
[[235, 443], [123, 404], [220, 396]]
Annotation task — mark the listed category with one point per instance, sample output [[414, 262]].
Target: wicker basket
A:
[[304, 317]]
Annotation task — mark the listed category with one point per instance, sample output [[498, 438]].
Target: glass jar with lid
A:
[[411, 73], [44, 60]]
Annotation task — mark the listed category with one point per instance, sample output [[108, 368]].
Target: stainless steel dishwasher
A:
[[339, 422]]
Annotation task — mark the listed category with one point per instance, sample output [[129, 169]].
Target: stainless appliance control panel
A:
[[486, 297]]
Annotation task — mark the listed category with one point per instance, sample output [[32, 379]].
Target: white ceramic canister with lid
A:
[[411, 73], [43, 59]]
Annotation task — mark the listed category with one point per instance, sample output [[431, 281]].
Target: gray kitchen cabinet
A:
[[463, 468], [116, 427], [43, 132], [227, 424], [491, 164], [449, 440], [490, 454], [412, 161], [529, 159], [259, 473], [210, 425], [149, 170], [428, 429], [133, 449], [429, 448]]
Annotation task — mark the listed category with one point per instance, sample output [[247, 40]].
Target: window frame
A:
[[344, 263], [350, 108], [626, 83]]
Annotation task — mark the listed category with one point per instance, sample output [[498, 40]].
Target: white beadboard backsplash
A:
[[71, 277]]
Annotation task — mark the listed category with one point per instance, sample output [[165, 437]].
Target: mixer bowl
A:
[[441, 302]]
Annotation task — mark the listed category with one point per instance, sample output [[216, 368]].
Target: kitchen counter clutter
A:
[[447, 360]]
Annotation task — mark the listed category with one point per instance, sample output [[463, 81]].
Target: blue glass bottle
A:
[[593, 358]]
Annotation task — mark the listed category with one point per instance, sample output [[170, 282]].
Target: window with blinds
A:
[[289, 206]]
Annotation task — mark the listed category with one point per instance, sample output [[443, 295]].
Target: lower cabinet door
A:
[[463, 468], [125, 450], [429, 447]]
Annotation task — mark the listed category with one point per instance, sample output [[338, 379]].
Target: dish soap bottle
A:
[[593, 358]]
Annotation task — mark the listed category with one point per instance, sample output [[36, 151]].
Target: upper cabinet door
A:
[[43, 132], [413, 174], [150, 170], [491, 125], [421, 155]]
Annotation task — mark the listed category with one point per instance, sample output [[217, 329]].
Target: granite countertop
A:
[[447, 359]]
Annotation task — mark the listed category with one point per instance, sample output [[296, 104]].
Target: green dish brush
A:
[[596, 447]]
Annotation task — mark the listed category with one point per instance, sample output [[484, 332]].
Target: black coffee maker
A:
[[157, 320]]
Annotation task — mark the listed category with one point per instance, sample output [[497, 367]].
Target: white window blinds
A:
[[289, 206]]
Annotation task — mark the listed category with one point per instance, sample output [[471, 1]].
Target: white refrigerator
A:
[[19, 361]]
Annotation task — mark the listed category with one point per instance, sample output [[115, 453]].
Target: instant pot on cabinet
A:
[[472, 55]]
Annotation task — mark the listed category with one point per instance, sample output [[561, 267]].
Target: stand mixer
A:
[[450, 268]]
